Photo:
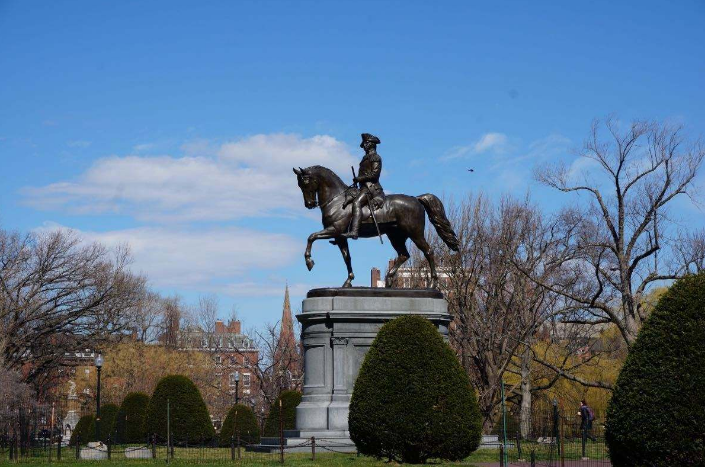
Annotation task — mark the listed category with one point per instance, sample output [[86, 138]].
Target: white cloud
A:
[[198, 259], [143, 147], [538, 150], [497, 143], [244, 178]]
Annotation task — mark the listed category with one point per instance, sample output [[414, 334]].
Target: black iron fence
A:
[[553, 437], [57, 450]]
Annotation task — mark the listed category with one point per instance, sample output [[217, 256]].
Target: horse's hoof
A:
[[347, 284], [309, 264]]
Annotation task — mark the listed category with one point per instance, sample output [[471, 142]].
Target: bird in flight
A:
[[471, 170]]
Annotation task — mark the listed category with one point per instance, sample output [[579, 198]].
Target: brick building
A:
[[234, 354], [411, 277]]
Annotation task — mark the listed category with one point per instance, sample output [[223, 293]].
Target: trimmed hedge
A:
[[108, 412], [242, 420], [412, 400], [81, 432], [656, 416], [129, 422], [290, 399], [190, 422]]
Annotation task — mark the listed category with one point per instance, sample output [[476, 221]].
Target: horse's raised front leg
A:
[[342, 243], [328, 232]]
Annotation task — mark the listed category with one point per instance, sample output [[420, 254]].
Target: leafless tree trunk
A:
[[525, 407], [147, 315], [623, 245], [172, 315]]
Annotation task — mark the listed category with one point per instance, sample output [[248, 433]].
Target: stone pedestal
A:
[[338, 327]]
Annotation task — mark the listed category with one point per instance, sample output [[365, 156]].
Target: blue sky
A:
[[147, 122]]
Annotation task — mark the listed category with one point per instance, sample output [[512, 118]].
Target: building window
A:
[[218, 359], [246, 380], [232, 379], [232, 360]]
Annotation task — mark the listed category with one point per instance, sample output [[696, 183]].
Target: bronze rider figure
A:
[[367, 178]]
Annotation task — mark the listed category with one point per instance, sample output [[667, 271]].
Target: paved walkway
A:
[[567, 463]]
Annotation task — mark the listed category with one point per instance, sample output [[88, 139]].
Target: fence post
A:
[[154, 446], [232, 448], [533, 458], [58, 448], [519, 446], [501, 455], [12, 449], [110, 447], [78, 448], [281, 433], [562, 433], [313, 448]]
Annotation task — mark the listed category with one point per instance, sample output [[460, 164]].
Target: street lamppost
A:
[[237, 387], [98, 365]]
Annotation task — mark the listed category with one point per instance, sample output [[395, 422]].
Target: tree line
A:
[[541, 301]]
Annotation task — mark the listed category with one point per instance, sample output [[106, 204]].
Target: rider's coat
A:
[[368, 177]]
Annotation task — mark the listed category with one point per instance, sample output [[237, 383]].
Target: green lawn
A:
[[221, 456]]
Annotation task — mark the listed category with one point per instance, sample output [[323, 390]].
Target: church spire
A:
[[287, 356], [287, 327]]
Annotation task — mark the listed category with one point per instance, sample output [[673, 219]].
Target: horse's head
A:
[[308, 183]]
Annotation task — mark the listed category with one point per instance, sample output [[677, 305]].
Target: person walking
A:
[[587, 416]]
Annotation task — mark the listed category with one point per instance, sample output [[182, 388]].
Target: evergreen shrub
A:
[[189, 419], [242, 420], [129, 422], [81, 432], [107, 419], [289, 401], [412, 400], [656, 416]]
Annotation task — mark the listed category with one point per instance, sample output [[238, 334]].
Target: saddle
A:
[[383, 211]]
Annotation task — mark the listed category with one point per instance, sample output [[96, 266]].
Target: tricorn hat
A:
[[370, 138]]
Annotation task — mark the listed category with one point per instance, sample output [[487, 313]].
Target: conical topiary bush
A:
[[107, 420], [189, 419], [656, 416], [81, 432], [240, 421], [289, 401], [129, 422], [412, 401]]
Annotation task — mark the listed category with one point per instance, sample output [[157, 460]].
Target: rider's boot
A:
[[355, 224]]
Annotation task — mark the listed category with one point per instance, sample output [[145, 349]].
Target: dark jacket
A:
[[585, 421]]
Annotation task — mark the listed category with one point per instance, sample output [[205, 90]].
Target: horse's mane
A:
[[326, 172]]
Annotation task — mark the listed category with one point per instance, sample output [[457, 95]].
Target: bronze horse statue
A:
[[401, 217]]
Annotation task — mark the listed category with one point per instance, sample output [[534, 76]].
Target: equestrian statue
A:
[[363, 210]]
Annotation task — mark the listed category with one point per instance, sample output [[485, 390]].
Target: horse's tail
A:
[[437, 215]]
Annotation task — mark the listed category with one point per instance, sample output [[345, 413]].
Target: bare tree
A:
[[690, 251], [206, 313], [624, 246], [171, 319], [496, 308], [147, 316], [58, 295], [279, 366]]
